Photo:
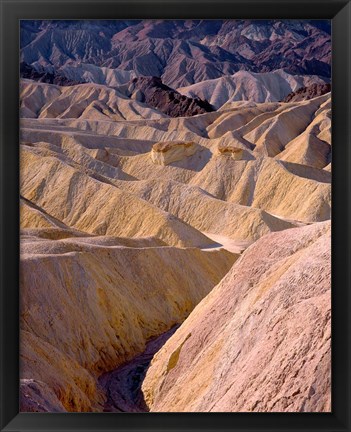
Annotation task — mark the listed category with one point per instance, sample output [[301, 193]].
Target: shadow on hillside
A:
[[122, 386]]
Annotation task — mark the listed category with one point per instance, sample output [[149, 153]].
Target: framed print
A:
[[175, 215]]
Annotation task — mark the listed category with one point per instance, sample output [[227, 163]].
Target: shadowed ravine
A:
[[123, 385]]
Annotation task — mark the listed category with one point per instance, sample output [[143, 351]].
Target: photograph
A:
[[175, 190]]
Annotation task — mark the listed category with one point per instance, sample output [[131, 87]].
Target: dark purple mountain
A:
[[28, 72], [154, 93], [306, 93]]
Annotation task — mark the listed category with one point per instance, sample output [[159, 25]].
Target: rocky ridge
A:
[[29, 72], [151, 91], [254, 87], [99, 312]]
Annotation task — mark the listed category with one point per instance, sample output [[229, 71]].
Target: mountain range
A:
[[180, 52]]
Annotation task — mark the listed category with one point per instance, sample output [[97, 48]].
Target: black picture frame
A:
[[339, 11]]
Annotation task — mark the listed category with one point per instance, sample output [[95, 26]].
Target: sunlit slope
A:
[[90, 205], [85, 101], [270, 156], [100, 299], [260, 341]]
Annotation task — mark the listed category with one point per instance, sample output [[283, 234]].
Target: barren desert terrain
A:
[[175, 200]]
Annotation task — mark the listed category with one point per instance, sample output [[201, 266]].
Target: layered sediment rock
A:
[[29, 72], [206, 213], [84, 101], [181, 52], [287, 190]]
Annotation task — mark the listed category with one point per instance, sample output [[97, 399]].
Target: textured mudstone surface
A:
[[265, 326]]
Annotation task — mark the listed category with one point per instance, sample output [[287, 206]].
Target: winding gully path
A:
[[123, 385]]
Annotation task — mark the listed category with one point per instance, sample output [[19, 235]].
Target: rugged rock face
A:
[[265, 325], [136, 218], [313, 146], [305, 93], [290, 182], [36, 396], [154, 93], [107, 297]]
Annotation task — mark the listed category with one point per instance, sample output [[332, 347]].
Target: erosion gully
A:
[[122, 386]]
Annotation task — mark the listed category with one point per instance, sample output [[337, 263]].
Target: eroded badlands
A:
[[133, 222]]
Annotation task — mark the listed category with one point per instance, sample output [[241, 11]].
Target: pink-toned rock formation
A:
[[260, 341]]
